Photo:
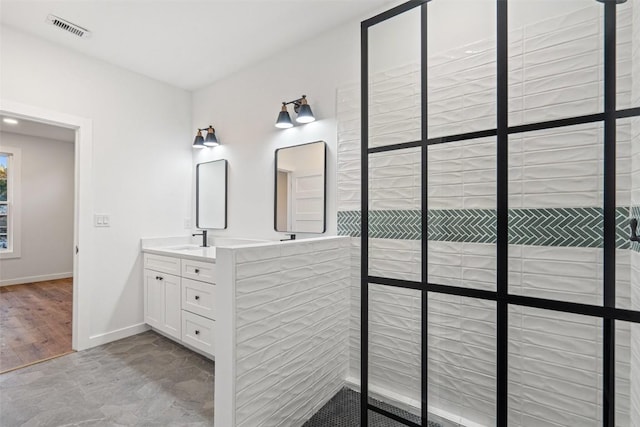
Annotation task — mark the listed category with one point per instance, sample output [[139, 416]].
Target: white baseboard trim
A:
[[33, 279], [118, 334], [410, 405]]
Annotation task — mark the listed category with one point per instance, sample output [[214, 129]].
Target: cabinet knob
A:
[[197, 332], [197, 271], [197, 297]]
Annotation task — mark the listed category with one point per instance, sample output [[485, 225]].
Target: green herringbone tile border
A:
[[567, 227]]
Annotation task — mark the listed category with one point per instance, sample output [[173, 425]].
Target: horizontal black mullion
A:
[[628, 112], [555, 305], [530, 127], [559, 123], [622, 314], [463, 292], [393, 147], [520, 300], [575, 308], [392, 12], [396, 283], [462, 136], [392, 416]]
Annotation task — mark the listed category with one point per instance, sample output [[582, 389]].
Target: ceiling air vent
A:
[[70, 27]]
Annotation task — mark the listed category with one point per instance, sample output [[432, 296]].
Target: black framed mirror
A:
[[300, 201], [211, 195]]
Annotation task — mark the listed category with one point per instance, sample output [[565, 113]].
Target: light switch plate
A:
[[101, 220]]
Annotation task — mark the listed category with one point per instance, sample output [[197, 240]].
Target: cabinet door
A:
[[172, 314], [153, 299]]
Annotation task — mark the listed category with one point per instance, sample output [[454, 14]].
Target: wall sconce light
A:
[[206, 141], [302, 109]]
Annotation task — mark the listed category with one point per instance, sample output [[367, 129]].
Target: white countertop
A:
[[185, 248], [207, 254]]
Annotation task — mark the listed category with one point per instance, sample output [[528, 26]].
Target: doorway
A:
[[82, 207], [36, 241]]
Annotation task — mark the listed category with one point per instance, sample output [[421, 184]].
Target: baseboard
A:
[[118, 334], [33, 279], [412, 406]]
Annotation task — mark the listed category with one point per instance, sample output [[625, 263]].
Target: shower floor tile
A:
[[343, 410]]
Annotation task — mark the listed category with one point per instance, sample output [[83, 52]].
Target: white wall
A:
[[47, 196], [141, 170], [243, 108]]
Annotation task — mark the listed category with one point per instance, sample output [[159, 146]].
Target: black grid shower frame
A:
[[608, 311]]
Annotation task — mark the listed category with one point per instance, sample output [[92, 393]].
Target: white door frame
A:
[[83, 208]]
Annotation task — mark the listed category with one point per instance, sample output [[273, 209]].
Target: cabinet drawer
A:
[[198, 270], [161, 263], [198, 332], [198, 298]]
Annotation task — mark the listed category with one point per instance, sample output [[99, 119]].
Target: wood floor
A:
[[35, 322]]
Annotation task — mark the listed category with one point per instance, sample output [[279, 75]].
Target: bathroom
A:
[[509, 130]]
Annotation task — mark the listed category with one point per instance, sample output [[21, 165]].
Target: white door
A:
[[307, 201], [153, 299], [172, 298]]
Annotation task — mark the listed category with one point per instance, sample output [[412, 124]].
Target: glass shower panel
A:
[[555, 368], [555, 229], [627, 64], [627, 374], [394, 80], [461, 77], [395, 351], [461, 360], [627, 205], [555, 59], [461, 189], [395, 249]]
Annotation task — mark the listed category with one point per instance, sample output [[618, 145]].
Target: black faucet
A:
[[291, 237], [634, 226], [205, 243]]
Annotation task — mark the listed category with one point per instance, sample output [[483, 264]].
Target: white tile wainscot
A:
[[283, 350]]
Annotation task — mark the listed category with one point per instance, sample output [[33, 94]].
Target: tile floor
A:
[[144, 380]]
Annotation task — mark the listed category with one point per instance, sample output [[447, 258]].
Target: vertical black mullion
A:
[[502, 249], [425, 211], [364, 231], [609, 207]]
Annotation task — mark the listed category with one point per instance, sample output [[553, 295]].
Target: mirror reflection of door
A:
[[282, 193], [211, 195], [300, 188]]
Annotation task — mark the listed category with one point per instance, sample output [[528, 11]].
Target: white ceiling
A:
[[187, 43], [40, 130]]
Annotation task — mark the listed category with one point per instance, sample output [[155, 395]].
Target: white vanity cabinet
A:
[[162, 302], [179, 299]]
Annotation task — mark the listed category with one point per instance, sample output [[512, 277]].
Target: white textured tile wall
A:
[[634, 374], [556, 72], [634, 377], [292, 321]]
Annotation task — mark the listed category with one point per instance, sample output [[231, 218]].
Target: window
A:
[[4, 201], [9, 202]]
